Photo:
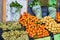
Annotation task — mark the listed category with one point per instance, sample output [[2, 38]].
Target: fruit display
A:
[[15, 35], [13, 31], [33, 26], [26, 18], [37, 32], [58, 16], [10, 26], [51, 24], [30, 20]]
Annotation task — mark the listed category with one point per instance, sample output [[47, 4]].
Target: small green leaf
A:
[[38, 22], [16, 5], [35, 37]]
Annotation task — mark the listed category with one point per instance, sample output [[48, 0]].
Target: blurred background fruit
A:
[[58, 15]]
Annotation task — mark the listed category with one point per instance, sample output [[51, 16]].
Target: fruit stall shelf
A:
[[56, 37]]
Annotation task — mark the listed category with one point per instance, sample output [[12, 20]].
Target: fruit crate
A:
[[56, 37]]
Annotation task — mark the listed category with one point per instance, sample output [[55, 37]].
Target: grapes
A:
[[10, 26], [15, 35]]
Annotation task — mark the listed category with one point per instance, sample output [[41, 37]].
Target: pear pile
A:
[[51, 24]]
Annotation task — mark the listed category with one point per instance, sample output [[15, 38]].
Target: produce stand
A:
[[30, 20]]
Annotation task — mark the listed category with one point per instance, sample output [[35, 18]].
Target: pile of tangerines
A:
[[33, 25]]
